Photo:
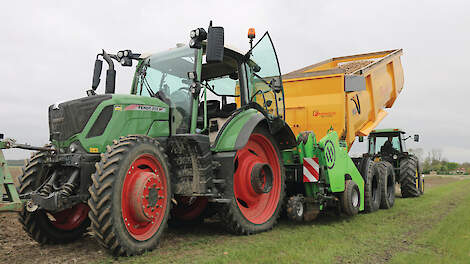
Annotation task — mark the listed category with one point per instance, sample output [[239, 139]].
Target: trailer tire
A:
[[295, 208], [350, 198], [409, 177], [239, 217], [39, 224], [388, 184], [130, 197], [373, 185]]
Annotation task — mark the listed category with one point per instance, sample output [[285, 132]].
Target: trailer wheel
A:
[[373, 185], [130, 196], [388, 184], [295, 208], [350, 198], [409, 177], [46, 227], [258, 186]]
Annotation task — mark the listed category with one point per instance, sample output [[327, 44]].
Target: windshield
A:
[[165, 75], [385, 145]]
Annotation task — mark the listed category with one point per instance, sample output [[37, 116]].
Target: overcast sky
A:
[[48, 50]]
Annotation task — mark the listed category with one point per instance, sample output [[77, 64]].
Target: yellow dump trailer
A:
[[347, 93]]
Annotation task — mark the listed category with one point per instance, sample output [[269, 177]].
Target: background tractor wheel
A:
[[373, 185], [130, 196], [258, 186], [388, 184], [409, 177], [45, 227], [350, 198]]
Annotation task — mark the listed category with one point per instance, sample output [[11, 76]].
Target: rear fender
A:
[[235, 133]]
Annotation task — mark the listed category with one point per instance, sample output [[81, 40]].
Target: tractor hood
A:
[[69, 118], [93, 122]]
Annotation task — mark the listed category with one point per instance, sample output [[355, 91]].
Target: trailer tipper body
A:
[[348, 93]]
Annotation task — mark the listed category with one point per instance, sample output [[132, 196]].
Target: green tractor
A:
[[388, 146], [203, 127]]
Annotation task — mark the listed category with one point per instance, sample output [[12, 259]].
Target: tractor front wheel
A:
[[130, 196], [258, 186], [49, 227]]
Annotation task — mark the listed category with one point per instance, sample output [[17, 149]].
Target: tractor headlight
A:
[[395, 157], [120, 54], [192, 34]]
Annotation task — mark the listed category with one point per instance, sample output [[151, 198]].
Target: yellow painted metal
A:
[[319, 96]]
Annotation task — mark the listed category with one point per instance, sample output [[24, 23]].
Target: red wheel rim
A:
[[144, 197], [187, 209], [256, 207], [72, 218]]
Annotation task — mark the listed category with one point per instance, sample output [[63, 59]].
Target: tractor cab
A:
[[204, 92], [388, 142]]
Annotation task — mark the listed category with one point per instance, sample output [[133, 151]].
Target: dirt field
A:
[[17, 247]]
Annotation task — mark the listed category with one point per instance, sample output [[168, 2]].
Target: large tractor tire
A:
[[373, 185], [388, 184], [130, 196], [258, 187], [47, 227], [350, 198], [410, 177]]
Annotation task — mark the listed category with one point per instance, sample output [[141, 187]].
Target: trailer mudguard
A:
[[237, 130]]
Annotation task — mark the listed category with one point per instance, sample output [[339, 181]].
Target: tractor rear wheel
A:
[[409, 177], [351, 198], [130, 196], [373, 185], [258, 186], [388, 184], [49, 227]]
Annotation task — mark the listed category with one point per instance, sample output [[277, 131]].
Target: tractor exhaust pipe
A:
[[110, 74]]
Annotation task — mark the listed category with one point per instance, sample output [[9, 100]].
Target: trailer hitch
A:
[[11, 143]]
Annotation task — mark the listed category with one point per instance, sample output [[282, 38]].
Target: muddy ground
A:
[[17, 247]]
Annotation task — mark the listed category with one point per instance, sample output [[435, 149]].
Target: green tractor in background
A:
[[203, 125], [388, 146]]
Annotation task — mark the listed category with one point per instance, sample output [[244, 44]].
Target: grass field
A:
[[434, 228]]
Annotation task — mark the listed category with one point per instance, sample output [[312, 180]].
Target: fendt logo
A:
[[330, 154]]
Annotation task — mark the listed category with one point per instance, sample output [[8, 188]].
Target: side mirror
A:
[[215, 44], [361, 139], [416, 138], [97, 74]]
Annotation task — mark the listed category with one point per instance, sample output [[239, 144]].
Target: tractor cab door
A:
[[264, 78]]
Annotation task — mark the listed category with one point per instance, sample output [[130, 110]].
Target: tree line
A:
[[434, 160]]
